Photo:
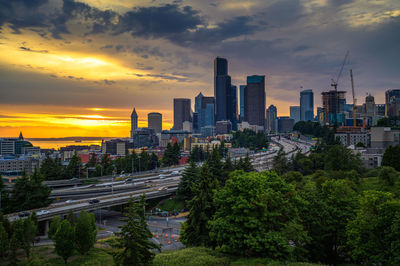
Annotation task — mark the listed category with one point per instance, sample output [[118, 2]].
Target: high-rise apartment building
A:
[[307, 105], [182, 112], [295, 113], [205, 108], [134, 122], [155, 122], [272, 123], [254, 101], [224, 92]]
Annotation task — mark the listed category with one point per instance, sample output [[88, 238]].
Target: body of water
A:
[[56, 144]]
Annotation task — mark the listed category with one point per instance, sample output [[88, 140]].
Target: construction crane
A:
[[354, 100], [334, 84]]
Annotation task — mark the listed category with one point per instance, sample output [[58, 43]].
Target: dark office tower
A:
[[155, 122], [234, 101], [254, 101], [134, 122], [220, 67], [224, 94], [242, 102], [181, 112], [307, 105], [272, 122]]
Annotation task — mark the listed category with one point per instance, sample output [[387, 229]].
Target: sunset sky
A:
[[77, 68]]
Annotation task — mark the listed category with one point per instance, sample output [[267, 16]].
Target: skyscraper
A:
[[254, 101], [333, 103], [155, 122], [242, 87], [307, 105], [205, 107], [182, 112], [224, 92], [295, 113], [272, 123], [134, 122]]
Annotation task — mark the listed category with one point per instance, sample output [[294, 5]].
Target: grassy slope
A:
[[204, 256]]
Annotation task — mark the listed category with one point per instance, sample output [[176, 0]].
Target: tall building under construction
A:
[[333, 103]]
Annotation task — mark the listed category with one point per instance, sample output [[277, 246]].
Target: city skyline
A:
[[60, 79]]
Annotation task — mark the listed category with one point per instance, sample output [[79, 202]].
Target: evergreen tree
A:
[[215, 165], [64, 240], [54, 224], [85, 232], [29, 193], [247, 165], [195, 231], [188, 180], [71, 218], [14, 247], [391, 157], [4, 242], [133, 243], [30, 230], [74, 167], [228, 166]]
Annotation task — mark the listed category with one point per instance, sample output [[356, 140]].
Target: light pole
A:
[[112, 181]]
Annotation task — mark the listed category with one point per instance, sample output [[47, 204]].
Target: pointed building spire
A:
[[134, 122], [20, 136]]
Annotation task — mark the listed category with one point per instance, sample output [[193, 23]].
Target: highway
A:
[[153, 185]]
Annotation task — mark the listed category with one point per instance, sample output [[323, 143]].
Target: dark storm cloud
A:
[[146, 50], [159, 21], [21, 14]]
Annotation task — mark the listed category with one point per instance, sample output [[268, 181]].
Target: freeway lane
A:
[[160, 190]]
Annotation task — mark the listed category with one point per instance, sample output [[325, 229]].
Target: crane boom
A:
[[354, 100], [335, 82]]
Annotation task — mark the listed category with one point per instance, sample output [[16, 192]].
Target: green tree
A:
[[54, 224], [85, 232], [133, 242], [71, 218], [391, 157], [64, 240], [341, 158], [388, 175], [188, 180], [256, 215], [4, 242], [74, 168], [215, 165], [171, 155], [51, 168], [14, 247], [195, 231], [30, 230], [280, 163], [30, 193], [373, 235], [325, 216]]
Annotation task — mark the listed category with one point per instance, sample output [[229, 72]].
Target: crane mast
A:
[[354, 100]]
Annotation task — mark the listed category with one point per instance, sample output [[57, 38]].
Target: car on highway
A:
[[162, 188], [148, 181], [42, 212], [162, 176], [70, 201], [73, 179], [175, 173], [94, 201], [23, 214]]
